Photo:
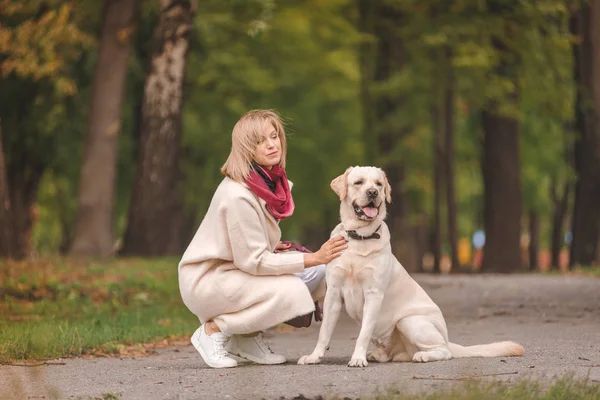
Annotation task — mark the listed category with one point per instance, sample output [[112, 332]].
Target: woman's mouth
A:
[[273, 154]]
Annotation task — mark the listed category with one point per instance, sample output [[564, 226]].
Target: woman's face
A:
[[268, 151]]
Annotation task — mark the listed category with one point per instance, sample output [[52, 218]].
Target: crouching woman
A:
[[236, 275]]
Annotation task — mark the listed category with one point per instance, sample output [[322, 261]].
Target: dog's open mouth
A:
[[366, 212]]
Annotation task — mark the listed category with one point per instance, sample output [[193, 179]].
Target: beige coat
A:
[[229, 272]]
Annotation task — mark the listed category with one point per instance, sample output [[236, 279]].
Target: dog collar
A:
[[356, 236]]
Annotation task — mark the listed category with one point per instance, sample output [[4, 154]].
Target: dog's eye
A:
[[358, 183], [378, 184]]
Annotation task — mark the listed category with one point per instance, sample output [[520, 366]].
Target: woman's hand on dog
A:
[[330, 250]]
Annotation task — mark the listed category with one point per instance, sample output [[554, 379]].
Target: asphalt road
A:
[[556, 319]]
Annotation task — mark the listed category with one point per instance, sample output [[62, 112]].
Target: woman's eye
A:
[[358, 183]]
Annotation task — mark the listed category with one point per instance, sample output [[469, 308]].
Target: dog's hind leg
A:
[[401, 357], [422, 335], [397, 350], [379, 354]]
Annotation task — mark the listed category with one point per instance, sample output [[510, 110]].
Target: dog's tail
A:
[[496, 349]]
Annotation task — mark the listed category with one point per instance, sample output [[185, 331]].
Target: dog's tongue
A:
[[370, 212]]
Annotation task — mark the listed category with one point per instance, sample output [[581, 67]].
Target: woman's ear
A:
[[340, 184], [388, 188]]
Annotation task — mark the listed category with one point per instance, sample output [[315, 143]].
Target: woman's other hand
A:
[[282, 247]]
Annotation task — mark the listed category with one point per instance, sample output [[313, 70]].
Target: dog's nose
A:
[[372, 192]]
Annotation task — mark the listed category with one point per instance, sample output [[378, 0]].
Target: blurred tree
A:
[[560, 203], [534, 239], [443, 120], [296, 57], [94, 229], [586, 212], [39, 42], [382, 63], [546, 117], [501, 159], [6, 246], [438, 171], [156, 210], [449, 98], [308, 60]]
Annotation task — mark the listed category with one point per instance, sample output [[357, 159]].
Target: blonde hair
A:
[[246, 135]]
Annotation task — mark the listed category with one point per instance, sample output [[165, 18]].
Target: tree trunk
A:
[[534, 240], [6, 243], [390, 59], [404, 241], [367, 55], [379, 61], [93, 234], [22, 168], [501, 161], [502, 193], [438, 172], [155, 200], [449, 159], [586, 212], [23, 193], [559, 211]]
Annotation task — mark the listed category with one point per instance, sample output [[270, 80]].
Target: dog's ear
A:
[[388, 188], [340, 184]]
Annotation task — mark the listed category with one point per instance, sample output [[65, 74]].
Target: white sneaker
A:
[[212, 348], [254, 349]]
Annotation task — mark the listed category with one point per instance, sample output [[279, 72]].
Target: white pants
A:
[[312, 276]]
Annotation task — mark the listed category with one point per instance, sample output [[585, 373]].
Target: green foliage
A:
[[536, 56], [43, 49], [298, 59], [40, 40], [301, 58]]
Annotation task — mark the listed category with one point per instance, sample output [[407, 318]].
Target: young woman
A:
[[236, 275]]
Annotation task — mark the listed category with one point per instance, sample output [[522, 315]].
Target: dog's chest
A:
[[352, 271], [353, 277]]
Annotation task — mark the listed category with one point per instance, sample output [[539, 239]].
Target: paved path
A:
[[556, 318]]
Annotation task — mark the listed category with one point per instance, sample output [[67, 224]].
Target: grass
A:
[[63, 307], [564, 388], [593, 271]]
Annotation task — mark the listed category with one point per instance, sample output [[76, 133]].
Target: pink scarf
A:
[[279, 203]]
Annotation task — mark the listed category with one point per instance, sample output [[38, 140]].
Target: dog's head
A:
[[363, 192]]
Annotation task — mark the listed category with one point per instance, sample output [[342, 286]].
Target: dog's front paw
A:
[[310, 359], [358, 362]]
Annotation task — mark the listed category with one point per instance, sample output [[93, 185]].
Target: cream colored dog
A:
[[394, 312]]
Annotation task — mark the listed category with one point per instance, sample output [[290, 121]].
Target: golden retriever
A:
[[393, 311]]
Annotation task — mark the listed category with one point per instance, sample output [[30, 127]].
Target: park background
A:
[[116, 115]]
